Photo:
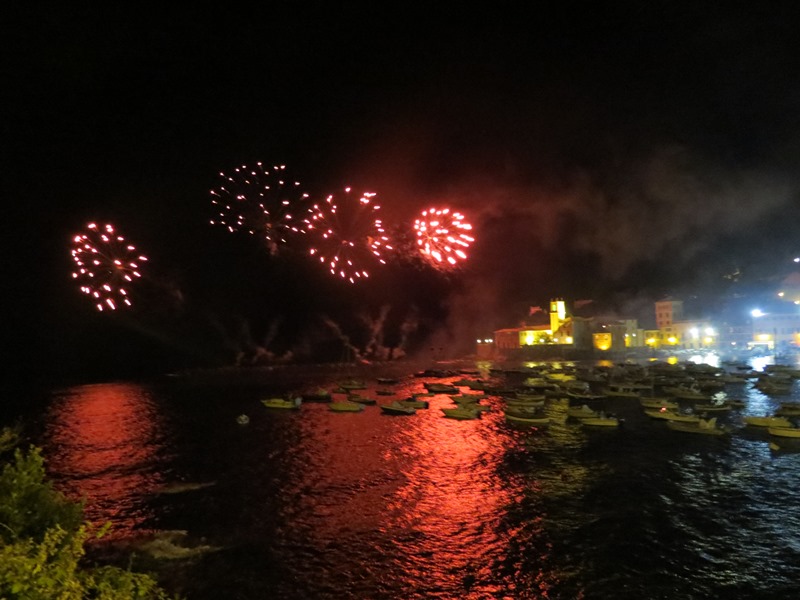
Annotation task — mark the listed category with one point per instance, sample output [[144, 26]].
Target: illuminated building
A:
[[667, 312], [777, 330], [676, 332], [569, 333]]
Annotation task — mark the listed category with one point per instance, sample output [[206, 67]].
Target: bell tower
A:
[[558, 313]]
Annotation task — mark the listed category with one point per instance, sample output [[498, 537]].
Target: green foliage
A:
[[42, 537], [9, 438], [50, 569], [29, 505]]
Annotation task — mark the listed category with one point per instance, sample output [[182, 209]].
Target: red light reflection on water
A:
[[102, 445], [453, 499]]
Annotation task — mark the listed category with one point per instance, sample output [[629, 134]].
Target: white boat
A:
[[622, 391], [462, 414], [352, 384], [515, 402], [345, 406], [787, 432], [713, 407], [584, 396], [361, 399], [600, 421], [414, 403], [581, 412], [658, 403], [318, 395], [282, 403], [703, 427], [767, 421], [441, 388], [396, 408], [669, 415], [523, 411], [511, 418], [682, 392]]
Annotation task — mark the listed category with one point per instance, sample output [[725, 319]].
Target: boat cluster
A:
[[688, 397]]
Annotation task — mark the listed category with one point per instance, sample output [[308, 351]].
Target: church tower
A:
[[558, 314]]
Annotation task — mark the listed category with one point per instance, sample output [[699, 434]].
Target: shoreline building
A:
[[564, 334]]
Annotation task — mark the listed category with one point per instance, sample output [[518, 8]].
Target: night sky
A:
[[618, 152]]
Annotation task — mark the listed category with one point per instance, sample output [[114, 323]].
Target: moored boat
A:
[[396, 408], [682, 392], [352, 384], [527, 420], [581, 412], [345, 406], [658, 403], [622, 391], [713, 407], [669, 415], [441, 388], [703, 426], [767, 421], [600, 421], [361, 399], [414, 403], [462, 414], [787, 432], [282, 403], [318, 395]]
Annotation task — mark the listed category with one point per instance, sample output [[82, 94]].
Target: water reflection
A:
[[103, 444]]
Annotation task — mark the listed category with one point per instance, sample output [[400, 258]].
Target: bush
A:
[[42, 537]]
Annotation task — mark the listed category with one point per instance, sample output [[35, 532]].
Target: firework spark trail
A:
[[409, 326], [443, 236], [342, 337], [348, 234], [105, 265], [374, 346], [260, 202]]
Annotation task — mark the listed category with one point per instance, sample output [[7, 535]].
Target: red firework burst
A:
[[260, 201], [348, 235], [443, 236], [106, 264]]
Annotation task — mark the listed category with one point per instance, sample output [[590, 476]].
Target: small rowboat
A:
[[346, 406], [787, 432], [282, 403], [318, 395], [441, 388], [581, 412], [462, 414], [722, 407], [767, 421], [704, 427], [414, 403], [668, 415], [352, 384], [395, 408], [511, 418], [658, 403], [600, 421], [361, 399]]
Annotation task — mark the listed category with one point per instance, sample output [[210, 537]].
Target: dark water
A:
[[316, 504]]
